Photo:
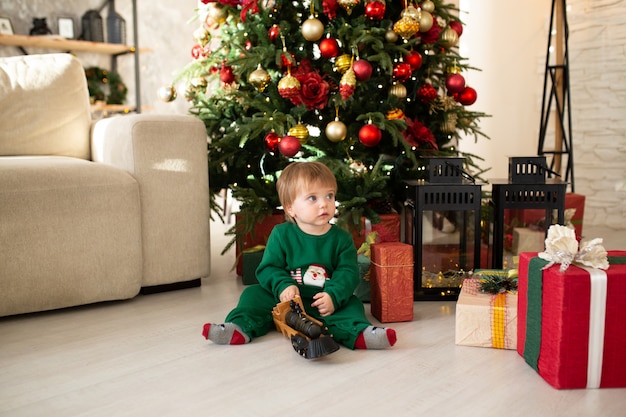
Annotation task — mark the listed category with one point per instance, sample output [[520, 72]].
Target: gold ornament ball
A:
[[216, 15], [336, 131], [343, 63], [428, 6], [391, 36], [301, 132], [167, 93], [395, 114], [411, 12], [426, 21], [348, 5], [202, 36], [406, 27], [449, 37], [312, 29], [398, 90], [260, 79]]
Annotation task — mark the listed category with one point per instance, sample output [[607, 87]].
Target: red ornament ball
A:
[[271, 141], [467, 97], [362, 69], [227, 76], [273, 33], [414, 59], [329, 48], [289, 146], [198, 52], [370, 135], [455, 83], [375, 10], [456, 26], [402, 71], [287, 59]]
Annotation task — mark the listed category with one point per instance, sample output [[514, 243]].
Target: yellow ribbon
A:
[[498, 321]]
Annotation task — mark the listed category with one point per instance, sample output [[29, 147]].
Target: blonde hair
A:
[[300, 175]]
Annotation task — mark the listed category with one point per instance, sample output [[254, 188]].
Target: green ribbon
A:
[[532, 345]]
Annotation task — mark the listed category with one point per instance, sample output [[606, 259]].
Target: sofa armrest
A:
[[167, 155]]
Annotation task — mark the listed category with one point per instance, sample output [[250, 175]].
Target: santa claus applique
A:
[[316, 276]]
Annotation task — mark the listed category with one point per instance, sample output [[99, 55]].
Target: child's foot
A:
[[375, 338], [225, 334]]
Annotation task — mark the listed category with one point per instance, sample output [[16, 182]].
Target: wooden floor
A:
[[146, 357]]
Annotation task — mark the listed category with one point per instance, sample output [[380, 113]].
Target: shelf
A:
[[62, 44]]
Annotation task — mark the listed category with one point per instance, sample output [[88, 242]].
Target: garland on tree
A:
[[366, 87], [98, 79]]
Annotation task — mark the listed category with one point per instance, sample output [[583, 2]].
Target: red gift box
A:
[[572, 324], [391, 282], [261, 233], [524, 217], [388, 229]]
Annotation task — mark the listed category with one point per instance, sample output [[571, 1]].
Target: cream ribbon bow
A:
[[562, 248]]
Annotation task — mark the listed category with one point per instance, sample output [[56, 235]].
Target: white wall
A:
[[508, 40]]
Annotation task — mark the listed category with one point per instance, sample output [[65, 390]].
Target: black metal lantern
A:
[[515, 230], [443, 225], [93, 29]]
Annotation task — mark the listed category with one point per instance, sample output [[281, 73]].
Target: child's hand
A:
[[289, 293], [324, 304]]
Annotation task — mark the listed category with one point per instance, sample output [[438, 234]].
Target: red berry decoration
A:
[[289, 146], [375, 10], [467, 97], [274, 33], [370, 135], [362, 69], [329, 48], [271, 141], [455, 83], [402, 71], [426, 93], [414, 59]]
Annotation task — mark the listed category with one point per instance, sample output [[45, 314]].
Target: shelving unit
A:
[[55, 42]]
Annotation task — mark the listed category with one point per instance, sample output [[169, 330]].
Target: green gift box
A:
[[251, 258]]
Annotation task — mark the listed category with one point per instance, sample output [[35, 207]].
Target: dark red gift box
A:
[[568, 328]]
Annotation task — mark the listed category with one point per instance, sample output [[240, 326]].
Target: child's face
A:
[[313, 208]]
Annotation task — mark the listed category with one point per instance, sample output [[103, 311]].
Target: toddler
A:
[[309, 257]]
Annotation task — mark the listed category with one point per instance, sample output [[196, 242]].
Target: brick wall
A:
[[597, 47]]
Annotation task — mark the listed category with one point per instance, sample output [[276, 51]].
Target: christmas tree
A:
[[365, 86]]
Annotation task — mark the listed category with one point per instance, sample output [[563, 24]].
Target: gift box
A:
[[388, 229], [363, 290], [259, 236], [485, 320], [526, 239], [574, 213], [572, 324], [251, 258], [391, 281]]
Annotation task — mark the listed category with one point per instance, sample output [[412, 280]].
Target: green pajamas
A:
[[326, 263], [254, 315]]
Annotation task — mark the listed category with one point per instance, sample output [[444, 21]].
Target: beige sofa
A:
[[93, 211]]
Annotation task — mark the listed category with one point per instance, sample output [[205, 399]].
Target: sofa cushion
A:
[[44, 104], [70, 232]]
